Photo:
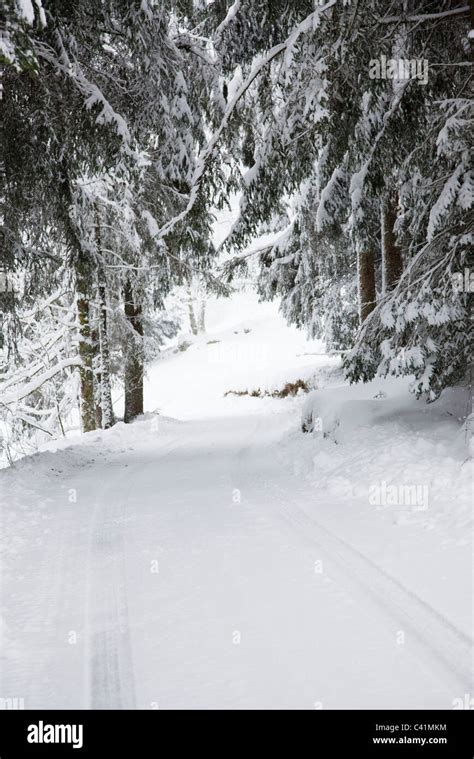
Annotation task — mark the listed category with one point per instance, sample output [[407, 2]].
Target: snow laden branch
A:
[[407, 282], [425, 16], [30, 387], [359, 177], [34, 312], [231, 13], [208, 154], [422, 323], [271, 247], [91, 92]]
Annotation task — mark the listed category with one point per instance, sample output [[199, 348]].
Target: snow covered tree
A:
[[346, 125], [106, 108], [421, 325], [391, 173]]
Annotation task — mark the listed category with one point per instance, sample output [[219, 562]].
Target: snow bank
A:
[[377, 444]]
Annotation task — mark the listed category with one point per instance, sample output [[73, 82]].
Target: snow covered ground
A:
[[212, 556]]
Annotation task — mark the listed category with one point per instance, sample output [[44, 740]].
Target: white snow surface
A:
[[211, 555]]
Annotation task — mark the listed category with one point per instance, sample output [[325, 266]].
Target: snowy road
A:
[[191, 576], [212, 556]]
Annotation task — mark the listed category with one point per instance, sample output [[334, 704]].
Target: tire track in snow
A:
[[109, 659], [435, 634], [111, 683]]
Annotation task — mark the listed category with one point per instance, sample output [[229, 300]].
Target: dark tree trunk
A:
[[97, 371], [83, 290], [134, 357], [472, 27], [107, 411], [366, 277], [104, 408], [392, 264], [86, 350]]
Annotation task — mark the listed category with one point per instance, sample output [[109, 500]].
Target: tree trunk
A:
[[134, 358], [366, 280], [104, 394], [192, 316], [202, 317], [472, 27], [392, 264], [107, 410], [86, 351], [83, 288], [96, 368]]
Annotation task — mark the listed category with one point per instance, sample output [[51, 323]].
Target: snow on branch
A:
[[425, 16], [30, 387], [42, 306], [276, 245], [407, 282], [359, 177], [93, 94], [26, 11], [208, 153], [231, 13], [33, 423]]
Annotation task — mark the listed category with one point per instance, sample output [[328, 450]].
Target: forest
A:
[[236, 282], [127, 124]]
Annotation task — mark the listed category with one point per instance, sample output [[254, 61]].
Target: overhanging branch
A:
[[208, 152]]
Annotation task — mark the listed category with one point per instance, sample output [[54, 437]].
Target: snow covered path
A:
[[192, 578], [188, 564]]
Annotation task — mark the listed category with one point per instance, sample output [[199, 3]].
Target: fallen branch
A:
[[290, 389]]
